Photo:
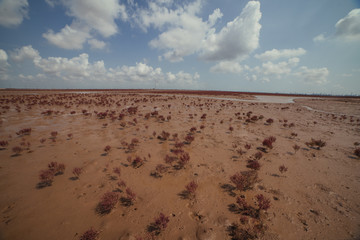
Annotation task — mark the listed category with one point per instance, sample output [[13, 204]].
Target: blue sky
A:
[[259, 46]]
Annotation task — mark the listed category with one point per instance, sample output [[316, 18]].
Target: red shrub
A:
[[108, 202], [189, 138], [253, 164], [245, 180], [77, 172], [90, 234], [17, 150], [191, 187], [53, 134], [161, 221], [357, 152], [25, 131], [107, 149], [296, 148], [184, 159], [117, 171], [131, 196], [242, 203], [268, 142], [4, 144], [263, 202], [46, 177], [316, 143], [282, 168]]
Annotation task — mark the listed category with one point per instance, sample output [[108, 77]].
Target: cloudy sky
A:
[[259, 46]]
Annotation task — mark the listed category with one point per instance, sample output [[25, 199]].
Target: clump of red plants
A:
[[107, 203], [283, 169], [77, 172], [160, 224], [316, 144], [46, 176], [3, 144], [191, 189], [107, 149], [136, 162], [160, 169], [268, 142], [90, 234], [357, 152], [244, 180], [296, 148], [253, 164], [24, 131]]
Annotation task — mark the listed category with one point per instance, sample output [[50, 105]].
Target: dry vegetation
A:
[[135, 165]]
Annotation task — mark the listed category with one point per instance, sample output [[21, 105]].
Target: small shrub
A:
[[107, 149], [108, 202], [161, 221], [247, 146], [231, 129], [263, 202], [243, 205], [17, 150], [269, 121], [268, 142], [191, 188], [46, 177], [189, 139], [282, 168], [57, 168], [90, 234], [77, 172], [54, 134], [25, 131], [184, 159], [117, 171], [4, 144], [244, 180], [253, 164], [42, 140], [316, 144], [131, 196], [296, 148], [357, 152], [258, 155]]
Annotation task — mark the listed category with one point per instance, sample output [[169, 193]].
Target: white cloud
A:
[[227, 67], [237, 39], [319, 38], [275, 54], [313, 75], [185, 33], [12, 12], [281, 68], [348, 28], [80, 69], [99, 15], [26, 52], [90, 17], [70, 37], [3, 65], [96, 44]]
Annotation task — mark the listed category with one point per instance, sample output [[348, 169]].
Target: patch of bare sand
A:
[[317, 198]]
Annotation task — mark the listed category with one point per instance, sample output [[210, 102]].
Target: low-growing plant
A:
[[189, 139], [130, 195], [258, 155], [24, 131], [263, 202], [253, 164], [117, 171], [46, 177], [357, 152], [57, 168], [3, 144], [244, 180], [77, 172], [296, 148], [17, 150], [283, 169], [161, 222], [53, 134], [108, 202], [90, 234], [191, 188], [268, 142], [107, 149], [317, 144], [184, 159]]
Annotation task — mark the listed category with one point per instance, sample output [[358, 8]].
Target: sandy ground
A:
[[316, 198]]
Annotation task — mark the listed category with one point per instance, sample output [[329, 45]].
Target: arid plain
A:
[[177, 165]]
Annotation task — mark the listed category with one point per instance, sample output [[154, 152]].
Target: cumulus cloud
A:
[[237, 39], [185, 33], [3, 65], [90, 16], [313, 75], [348, 28], [12, 12], [275, 54], [319, 38], [70, 37], [25, 52], [80, 69], [227, 67], [96, 44], [281, 68]]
